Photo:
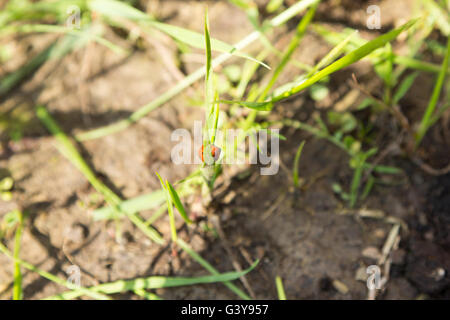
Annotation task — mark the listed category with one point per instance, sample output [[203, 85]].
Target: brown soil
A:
[[305, 236]]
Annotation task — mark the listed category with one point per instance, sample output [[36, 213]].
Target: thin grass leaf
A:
[[301, 28], [173, 229], [280, 288], [427, 117], [177, 202], [144, 202], [333, 54], [368, 187], [296, 162], [209, 86], [260, 106], [154, 282], [404, 87], [17, 287]]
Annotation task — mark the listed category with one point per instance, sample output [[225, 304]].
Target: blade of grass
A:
[[296, 161], [193, 77], [301, 28], [404, 87], [154, 282], [173, 229], [425, 123], [17, 288], [280, 288], [177, 202]]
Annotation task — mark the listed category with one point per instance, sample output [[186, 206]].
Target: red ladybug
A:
[[215, 152]]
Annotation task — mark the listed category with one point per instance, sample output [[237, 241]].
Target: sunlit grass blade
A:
[[154, 282], [427, 117], [147, 295], [300, 31], [404, 87], [296, 162], [280, 288], [333, 54], [17, 288], [260, 106], [173, 229], [177, 202]]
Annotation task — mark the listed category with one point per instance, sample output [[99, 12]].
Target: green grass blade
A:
[[154, 282], [144, 202], [280, 288], [333, 54], [17, 288], [177, 202], [260, 106], [425, 123], [301, 28], [173, 229], [296, 162]]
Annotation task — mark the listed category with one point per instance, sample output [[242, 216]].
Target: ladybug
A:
[[215, 152]]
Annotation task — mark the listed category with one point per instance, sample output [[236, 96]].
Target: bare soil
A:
[[305, 236]]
